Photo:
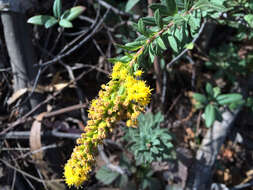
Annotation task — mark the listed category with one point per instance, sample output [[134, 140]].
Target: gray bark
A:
[[21, 53]]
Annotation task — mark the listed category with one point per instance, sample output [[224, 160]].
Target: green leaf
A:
[[65, 23], [209, 89], [229, 98], [236, 105], [169, 145], [39, 19], [149, 142], [133, 46], [161, 43], [173, 43], [141, 27], [249, 19], [51, 22], [178, 19], [209, 115], [130, 4], [57, 8], [194, 23], [73, 13], [206, 5], [166, 136], [158, 19], [123, 59], [106, 175], [135, 67], [167, 20], [156, 142], [158, 118], [198, 106], [218, 2], [121, 90], [172, 7], [151, 53], [65, 14], [149, 21], [178, 32], [185, 33], [158, 50], [162, 8], [216, 92], [200, 98], [189, 46], [154, 150], [142, 59]]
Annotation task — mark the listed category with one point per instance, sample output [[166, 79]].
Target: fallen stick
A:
[[201, 173]]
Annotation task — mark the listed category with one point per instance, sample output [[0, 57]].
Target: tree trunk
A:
[[21, 54]]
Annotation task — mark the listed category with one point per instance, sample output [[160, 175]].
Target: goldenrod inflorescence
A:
[[124, 97]]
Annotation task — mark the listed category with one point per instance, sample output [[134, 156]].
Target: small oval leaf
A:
[[173, 43], [130, 4], [39, 19], [200, 98], [151, 53], [216, 91], [141, 27], [229, 98], [189, 46], [51, 22], [65, 23], [209, 89], [172, 7], [73, 13], [158, 19], [161, 43], [162, 8], [209, 115], [57, 8], [149, 21]]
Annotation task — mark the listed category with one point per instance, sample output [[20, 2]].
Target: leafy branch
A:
[[167, 28], [63, 19]]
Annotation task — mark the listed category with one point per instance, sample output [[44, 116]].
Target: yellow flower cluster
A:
[[124, 97]]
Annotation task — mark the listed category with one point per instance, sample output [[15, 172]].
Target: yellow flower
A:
[[138, 73], [122, 98], [75, 175], [129, 123]]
